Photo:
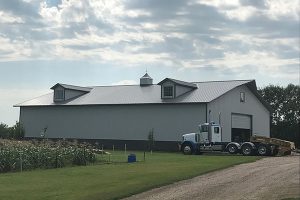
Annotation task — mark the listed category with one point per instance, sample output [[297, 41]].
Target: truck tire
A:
[[263, 150], [247, 149], [187, 149], [274, 152], [232, 149], [287, 153]]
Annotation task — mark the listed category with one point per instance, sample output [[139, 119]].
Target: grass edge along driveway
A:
[[111, 181]]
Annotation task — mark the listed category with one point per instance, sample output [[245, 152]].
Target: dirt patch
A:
[[268, 178]]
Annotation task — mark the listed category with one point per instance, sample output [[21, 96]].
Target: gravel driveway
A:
[[268, 178]]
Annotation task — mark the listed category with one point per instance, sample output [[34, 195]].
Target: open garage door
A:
[[241, 128]]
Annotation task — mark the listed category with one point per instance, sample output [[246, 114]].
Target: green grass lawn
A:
[[111, 181]]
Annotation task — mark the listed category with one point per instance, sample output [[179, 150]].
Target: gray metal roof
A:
[[135, 94], [72, 87]]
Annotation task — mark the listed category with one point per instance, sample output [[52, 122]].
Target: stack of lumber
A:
[[284, 147]]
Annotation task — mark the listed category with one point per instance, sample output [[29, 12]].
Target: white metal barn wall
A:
[[223, 107], [117, 122]]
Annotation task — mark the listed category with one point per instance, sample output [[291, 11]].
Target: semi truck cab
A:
[[208, 137], [210, 132]]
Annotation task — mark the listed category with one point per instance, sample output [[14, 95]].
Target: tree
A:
[[291, 110], [15, 132], [4, 130], [285, 103]]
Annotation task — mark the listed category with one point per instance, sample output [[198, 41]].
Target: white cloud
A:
[[241, 13], [49, 14], [110, 32], [220, 3], [131, 58], [12, 50], [264, 63], [9, 18], [283, 8]]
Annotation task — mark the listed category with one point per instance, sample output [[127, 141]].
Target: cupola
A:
[[146, 80]]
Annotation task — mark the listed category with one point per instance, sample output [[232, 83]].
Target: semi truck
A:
[[209, 139]]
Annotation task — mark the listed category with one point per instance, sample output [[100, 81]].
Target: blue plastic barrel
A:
[[131, 158]]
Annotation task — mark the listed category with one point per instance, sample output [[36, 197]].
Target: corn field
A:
[[25, 155]]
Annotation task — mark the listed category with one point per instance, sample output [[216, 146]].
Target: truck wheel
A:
[[263, 150], [247, 150], [187, 149], [232, 149]]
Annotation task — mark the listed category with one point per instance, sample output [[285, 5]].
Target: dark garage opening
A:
[[240, 135]]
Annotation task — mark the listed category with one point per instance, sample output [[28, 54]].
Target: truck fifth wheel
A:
[[209, 139]]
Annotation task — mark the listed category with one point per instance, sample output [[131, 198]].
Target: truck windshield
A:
[[204, 128]]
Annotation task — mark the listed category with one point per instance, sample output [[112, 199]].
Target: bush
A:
[[4, 131], [16, 131]]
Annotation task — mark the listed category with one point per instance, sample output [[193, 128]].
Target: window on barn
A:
[[59, 95], [168, 91], [242, 97]]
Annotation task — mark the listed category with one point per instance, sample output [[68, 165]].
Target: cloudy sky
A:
[[104, 42]]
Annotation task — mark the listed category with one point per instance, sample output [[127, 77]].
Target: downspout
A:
[[20, 124], [206, 113]]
